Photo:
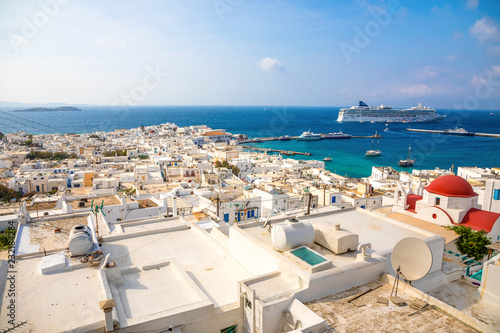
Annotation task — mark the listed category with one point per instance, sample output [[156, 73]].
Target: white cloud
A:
[[485, 29], [472, 4], [345, 92], [271, 65], [428, 72], [457, 36], [496, 69], [494, 51], [478, 80], [451, 58], [445, 10], [415, 90]]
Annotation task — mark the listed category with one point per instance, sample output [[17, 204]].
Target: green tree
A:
[[7, 194], [7, 238], [225, 164], [471, 243], [117, 152], [142, 128], [1, 135], [130, 191]]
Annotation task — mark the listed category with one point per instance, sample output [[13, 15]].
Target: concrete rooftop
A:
[[343, 316], [210, 266], [382, 233]]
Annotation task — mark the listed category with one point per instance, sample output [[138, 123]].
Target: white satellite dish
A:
[[411, 258]]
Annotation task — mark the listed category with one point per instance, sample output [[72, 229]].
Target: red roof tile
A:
[[479, 219]]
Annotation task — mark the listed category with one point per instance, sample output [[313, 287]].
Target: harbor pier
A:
[[489, 135]]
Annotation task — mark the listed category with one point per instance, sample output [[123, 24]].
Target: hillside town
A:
[[181, 229]]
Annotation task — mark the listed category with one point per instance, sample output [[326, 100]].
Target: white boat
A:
[[373, 152], [408, 162], [327, 159], [308, 136], [458, 131], [384, 113], [337, 135]]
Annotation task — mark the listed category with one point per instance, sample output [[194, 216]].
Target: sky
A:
[[443, 54]]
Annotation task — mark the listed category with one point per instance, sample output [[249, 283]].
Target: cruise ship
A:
[[384, 113]]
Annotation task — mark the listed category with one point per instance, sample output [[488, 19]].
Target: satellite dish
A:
[[411, 258]]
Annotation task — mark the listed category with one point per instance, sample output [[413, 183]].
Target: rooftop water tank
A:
[[337, 240], [291, 234], [80, 240]]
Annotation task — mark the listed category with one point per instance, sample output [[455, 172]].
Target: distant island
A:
[[59, 109]]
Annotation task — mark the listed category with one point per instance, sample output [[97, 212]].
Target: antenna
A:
[[411, 259]]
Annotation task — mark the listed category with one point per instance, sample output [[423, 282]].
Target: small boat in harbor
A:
[[459, 132], [284, 138], [407, 162], [373, 152], [309, 136], [337, 135], [327, 159], [257, 140]]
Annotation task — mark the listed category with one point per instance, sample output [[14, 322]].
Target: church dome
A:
[[451, 186]]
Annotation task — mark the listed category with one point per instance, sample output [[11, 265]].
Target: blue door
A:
[[248, 213], [333, 199], [226, 217]]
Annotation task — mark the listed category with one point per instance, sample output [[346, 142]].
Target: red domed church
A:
[[449, 200]]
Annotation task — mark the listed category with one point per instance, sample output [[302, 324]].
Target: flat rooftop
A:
[[343, 316], [448, 234], [43, 235], [108, 201], [64, 301], [211, 267], [41, 206], [380, 232], [81, 190], [146, 203], [464, 296]]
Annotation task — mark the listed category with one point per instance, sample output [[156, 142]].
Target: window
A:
[[496, 194], [248, 304], [333, 199], [438, 201], [230, 329]]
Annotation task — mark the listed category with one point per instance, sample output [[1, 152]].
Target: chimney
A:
[[174, 206]]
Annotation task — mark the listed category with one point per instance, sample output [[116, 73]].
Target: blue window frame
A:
[[496, 194], [226, 217]]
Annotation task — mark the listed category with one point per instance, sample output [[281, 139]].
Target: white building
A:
[[450, 200]]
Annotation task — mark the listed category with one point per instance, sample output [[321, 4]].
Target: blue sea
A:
[[429, 150]]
